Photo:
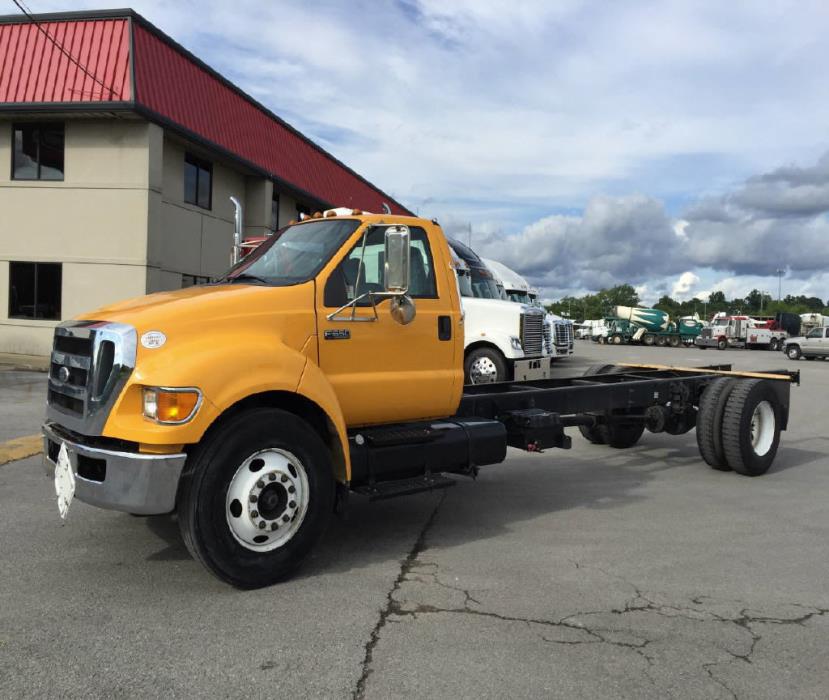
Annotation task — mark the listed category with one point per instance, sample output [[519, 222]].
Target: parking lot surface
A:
[[576, 574]]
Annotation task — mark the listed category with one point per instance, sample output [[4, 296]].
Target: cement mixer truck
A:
[[634, 324]]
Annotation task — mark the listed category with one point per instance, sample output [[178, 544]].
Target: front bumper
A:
[[129, 481], [531, 370]]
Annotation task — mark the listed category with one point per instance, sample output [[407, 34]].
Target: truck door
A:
[[382, 371]]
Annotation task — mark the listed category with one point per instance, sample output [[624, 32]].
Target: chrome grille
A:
[[90, 363], [706, 333], [564, 334], [548, 337], [532, 332]]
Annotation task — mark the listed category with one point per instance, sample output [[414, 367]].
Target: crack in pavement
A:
[[413, 569]]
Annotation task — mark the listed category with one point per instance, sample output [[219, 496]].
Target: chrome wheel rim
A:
[[267, 500], [762, 428], [483, 371]]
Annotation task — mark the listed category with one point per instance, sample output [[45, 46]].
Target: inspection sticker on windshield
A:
[[64, 481]]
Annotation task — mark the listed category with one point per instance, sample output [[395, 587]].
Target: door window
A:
[[361, 270], [815, 333]]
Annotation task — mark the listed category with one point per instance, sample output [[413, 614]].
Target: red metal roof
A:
[[165, 83], [33, 68]]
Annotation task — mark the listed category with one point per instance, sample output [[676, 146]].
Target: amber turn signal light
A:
[[171, 406]]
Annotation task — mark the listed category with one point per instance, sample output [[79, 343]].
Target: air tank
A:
[[653, 320]]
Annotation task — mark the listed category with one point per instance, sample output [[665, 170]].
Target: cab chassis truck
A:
[[252, 407]]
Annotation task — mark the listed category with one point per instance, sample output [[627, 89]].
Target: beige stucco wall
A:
[[94, 221]]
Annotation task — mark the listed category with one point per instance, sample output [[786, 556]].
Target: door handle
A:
[[444, 328]]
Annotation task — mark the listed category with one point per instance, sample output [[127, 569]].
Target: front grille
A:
[[564, 334], [548, 338], [532, 332], [706, 333], [89, 364]]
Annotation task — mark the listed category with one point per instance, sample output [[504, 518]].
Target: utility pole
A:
[[469, 236], [780, 272]]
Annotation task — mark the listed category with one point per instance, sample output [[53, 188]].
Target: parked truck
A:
[[253, 406], [518, 290], [634, 324], [740, 331]]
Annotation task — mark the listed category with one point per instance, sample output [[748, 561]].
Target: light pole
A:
[[780, 272]]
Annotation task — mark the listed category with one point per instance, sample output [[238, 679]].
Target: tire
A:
[[602, 340], [774, 344], [661, 341], [674, 341], [621, 435], [616, 340], [282, 444], [709, 422], [722, 344], [793, 352], [484, 366], [648, 339], [594, 433], [751, 427]]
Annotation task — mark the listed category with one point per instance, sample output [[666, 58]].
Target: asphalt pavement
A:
[[576, 574]]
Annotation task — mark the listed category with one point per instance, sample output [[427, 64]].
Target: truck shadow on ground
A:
[[521, 489]]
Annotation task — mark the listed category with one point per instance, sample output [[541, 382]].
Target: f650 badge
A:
[[337, 334]]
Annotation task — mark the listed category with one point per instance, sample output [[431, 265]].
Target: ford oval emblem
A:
[[63, 374], [153, 339]]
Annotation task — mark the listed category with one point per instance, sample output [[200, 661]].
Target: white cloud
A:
[[684, 286]]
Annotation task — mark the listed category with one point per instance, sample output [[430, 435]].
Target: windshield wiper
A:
[[246, 278]]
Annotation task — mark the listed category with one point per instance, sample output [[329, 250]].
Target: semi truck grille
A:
[[532, 332], [705, 333], [564, 334], [548, 337], [89, 364]]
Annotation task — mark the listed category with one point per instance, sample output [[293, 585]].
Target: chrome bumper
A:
[[136, 483]]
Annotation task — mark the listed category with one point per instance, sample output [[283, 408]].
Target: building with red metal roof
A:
[[124, 149]]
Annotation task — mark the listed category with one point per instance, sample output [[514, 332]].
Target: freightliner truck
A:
[[253, 406]]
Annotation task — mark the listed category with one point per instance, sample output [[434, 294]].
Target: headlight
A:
[[515, 342], [171, 406]]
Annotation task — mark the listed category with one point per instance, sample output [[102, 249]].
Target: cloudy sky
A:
[[678, 146]]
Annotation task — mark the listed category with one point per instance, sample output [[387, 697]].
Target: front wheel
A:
[[484, 366], [793, 352], [722, 344], [751, 427], [255, 497]]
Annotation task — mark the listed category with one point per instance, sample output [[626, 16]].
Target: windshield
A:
[[295, 253], [520, 297], [483, 284]]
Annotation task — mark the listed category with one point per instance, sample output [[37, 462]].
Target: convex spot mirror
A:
[[396, 270]]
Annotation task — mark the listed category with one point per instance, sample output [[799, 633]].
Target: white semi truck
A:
[[503, 341], [517, 289]]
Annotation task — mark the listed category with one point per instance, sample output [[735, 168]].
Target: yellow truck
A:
[[327, 362]]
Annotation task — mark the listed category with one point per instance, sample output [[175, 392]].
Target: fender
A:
[[497, 340]]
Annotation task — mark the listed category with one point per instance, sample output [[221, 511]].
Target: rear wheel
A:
[[594, 433], [648, 339], [793, 352], [661, 341], [621, 435], [774, 344], [751, 427], [674, 341], [485, 366], [616, 339], [709, 422], [255, 497]]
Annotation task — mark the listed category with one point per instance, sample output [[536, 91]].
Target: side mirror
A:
[[396, 271]]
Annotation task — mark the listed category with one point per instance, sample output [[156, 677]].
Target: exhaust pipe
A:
[[236, 253]]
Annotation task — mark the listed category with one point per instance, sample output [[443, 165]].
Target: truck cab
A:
[[504, 341]]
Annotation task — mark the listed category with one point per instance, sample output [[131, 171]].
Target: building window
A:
[[193, 280], [38, 151], [35, 290], [275, 211], [302, 209], [198, 181]]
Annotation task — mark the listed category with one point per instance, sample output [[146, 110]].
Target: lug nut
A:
[[260, 484], [274, 526], [284, 479], [253, 498], [254, 514], [261, 524], [291, 489], [292, 504], [271, 476], [285, 518]]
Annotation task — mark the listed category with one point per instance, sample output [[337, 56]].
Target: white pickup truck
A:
[[503, 341], [812, 345]]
